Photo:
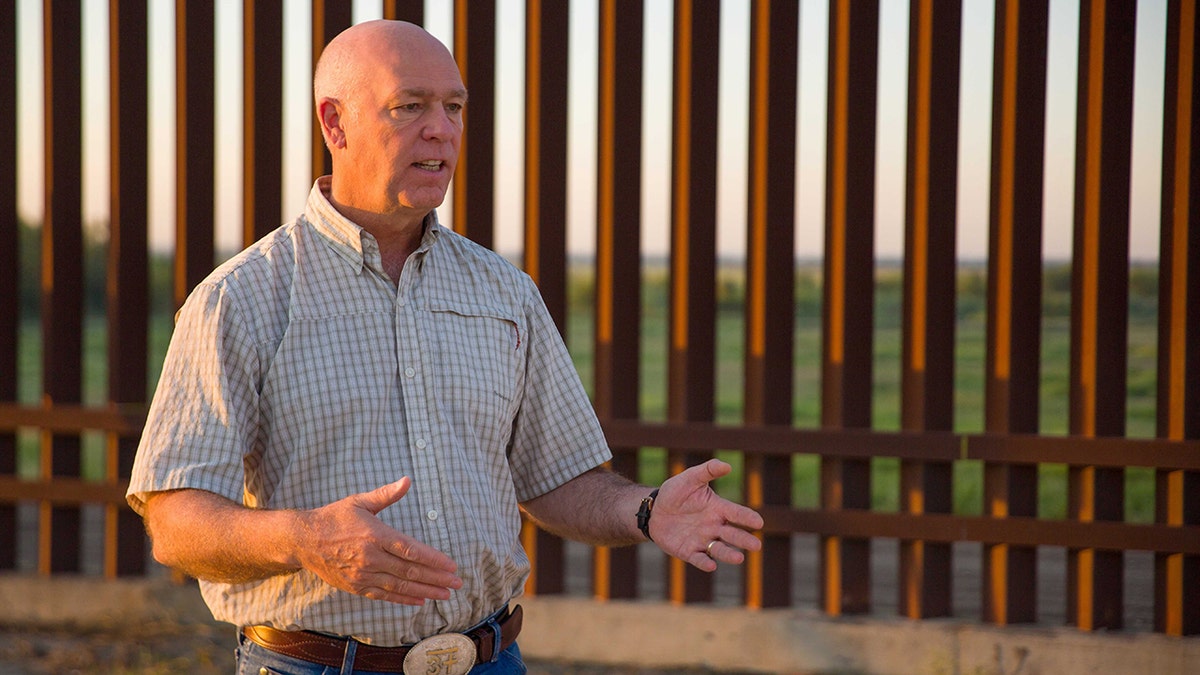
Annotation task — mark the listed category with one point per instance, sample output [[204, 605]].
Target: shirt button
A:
[[409, 372], [421, 443], [432, 515]]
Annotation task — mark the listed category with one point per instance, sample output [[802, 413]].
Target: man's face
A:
[[403, 133]]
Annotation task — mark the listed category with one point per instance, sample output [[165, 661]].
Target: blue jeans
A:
[[252, 659]]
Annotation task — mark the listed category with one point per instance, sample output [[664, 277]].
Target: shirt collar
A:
[[348, 239]]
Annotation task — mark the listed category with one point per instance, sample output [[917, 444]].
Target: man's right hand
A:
[[349, 547], [344, 543]]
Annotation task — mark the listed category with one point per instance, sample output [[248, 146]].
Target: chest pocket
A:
[[477, 353]]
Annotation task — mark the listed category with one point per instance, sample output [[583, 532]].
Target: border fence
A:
[[1096, 449]]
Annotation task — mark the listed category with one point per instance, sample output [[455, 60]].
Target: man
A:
[[363, 343]]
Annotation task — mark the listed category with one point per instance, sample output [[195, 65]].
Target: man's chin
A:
[[422, 200]]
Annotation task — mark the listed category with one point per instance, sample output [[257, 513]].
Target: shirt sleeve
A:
[[202, 421], [556, 435]]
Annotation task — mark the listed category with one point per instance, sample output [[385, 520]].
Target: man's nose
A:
[[439, 124]]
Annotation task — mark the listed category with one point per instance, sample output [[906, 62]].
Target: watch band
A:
[[643, 514]]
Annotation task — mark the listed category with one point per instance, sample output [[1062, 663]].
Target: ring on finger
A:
[[708, 549]]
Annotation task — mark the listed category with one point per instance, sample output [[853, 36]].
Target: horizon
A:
[[95, 234], [974, 132]]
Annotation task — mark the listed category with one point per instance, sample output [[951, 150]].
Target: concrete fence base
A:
[[658, 635], [797, 641]]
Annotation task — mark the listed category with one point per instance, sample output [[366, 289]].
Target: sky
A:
[[296, 110]]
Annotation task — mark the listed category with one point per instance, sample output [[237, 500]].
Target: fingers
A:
[[730, 542], [742, 516], [718, 550], [412, 573], [349, 547], [717, 468], [406, 591], [400, 570], [691, 516], [702, 562], [734, 539], [407, 585], [729, 547], [412, 552], [382, 497], [709, 471]]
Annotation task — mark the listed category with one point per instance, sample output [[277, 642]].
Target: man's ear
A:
[[330, 114]]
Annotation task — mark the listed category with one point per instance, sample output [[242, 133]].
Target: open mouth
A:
[[429, 165]]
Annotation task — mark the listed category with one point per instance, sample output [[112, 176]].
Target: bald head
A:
[[389, 99], [352, 58]]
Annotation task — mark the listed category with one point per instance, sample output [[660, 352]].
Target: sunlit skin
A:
[[394, 136]]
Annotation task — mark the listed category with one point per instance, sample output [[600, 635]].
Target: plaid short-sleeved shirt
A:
[[298, 375]]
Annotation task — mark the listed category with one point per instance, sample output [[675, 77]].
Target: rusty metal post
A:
[[927, 388], [546, 30], [1177, 497], [10, 277], [770, 280], [62, 278], [262, 128], [692, 349], [849, 287], [1100, 296], [618, 255], [128, 289], [1014, 294], [412, 11], [474, 178], [195, 166]]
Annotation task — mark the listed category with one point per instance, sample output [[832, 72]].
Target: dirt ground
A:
[[157, 649]]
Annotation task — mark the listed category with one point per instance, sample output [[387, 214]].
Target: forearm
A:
[[210, 537], [598, 507], [344, 543]]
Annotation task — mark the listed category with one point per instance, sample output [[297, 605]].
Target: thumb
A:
[[709, 471], [384, 496]]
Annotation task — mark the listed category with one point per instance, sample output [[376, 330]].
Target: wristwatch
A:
[[643, 514]]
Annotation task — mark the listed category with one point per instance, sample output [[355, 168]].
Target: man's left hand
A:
[[691, 522]]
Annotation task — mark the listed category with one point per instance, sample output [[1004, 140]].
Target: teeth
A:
[[430, 165]]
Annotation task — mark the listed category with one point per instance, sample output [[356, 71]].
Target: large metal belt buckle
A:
[[445, 654]]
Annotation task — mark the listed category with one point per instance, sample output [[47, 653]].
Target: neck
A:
[[395, 247], [398, 234]]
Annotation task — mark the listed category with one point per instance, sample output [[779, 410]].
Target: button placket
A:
[[427, 476]]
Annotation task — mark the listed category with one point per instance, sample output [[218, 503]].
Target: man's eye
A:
[[454, 107], [409, 107]]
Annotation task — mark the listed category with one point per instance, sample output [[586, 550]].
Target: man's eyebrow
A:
[[422, 92]]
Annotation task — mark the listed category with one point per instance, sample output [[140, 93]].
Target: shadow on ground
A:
[[160, 648]]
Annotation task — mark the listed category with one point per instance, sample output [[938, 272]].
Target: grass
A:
[[970, 357], [969, 378]]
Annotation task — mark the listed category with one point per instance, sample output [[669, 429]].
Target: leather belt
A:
[[328, 650]]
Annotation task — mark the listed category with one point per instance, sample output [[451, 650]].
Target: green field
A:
[[969, 374]]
